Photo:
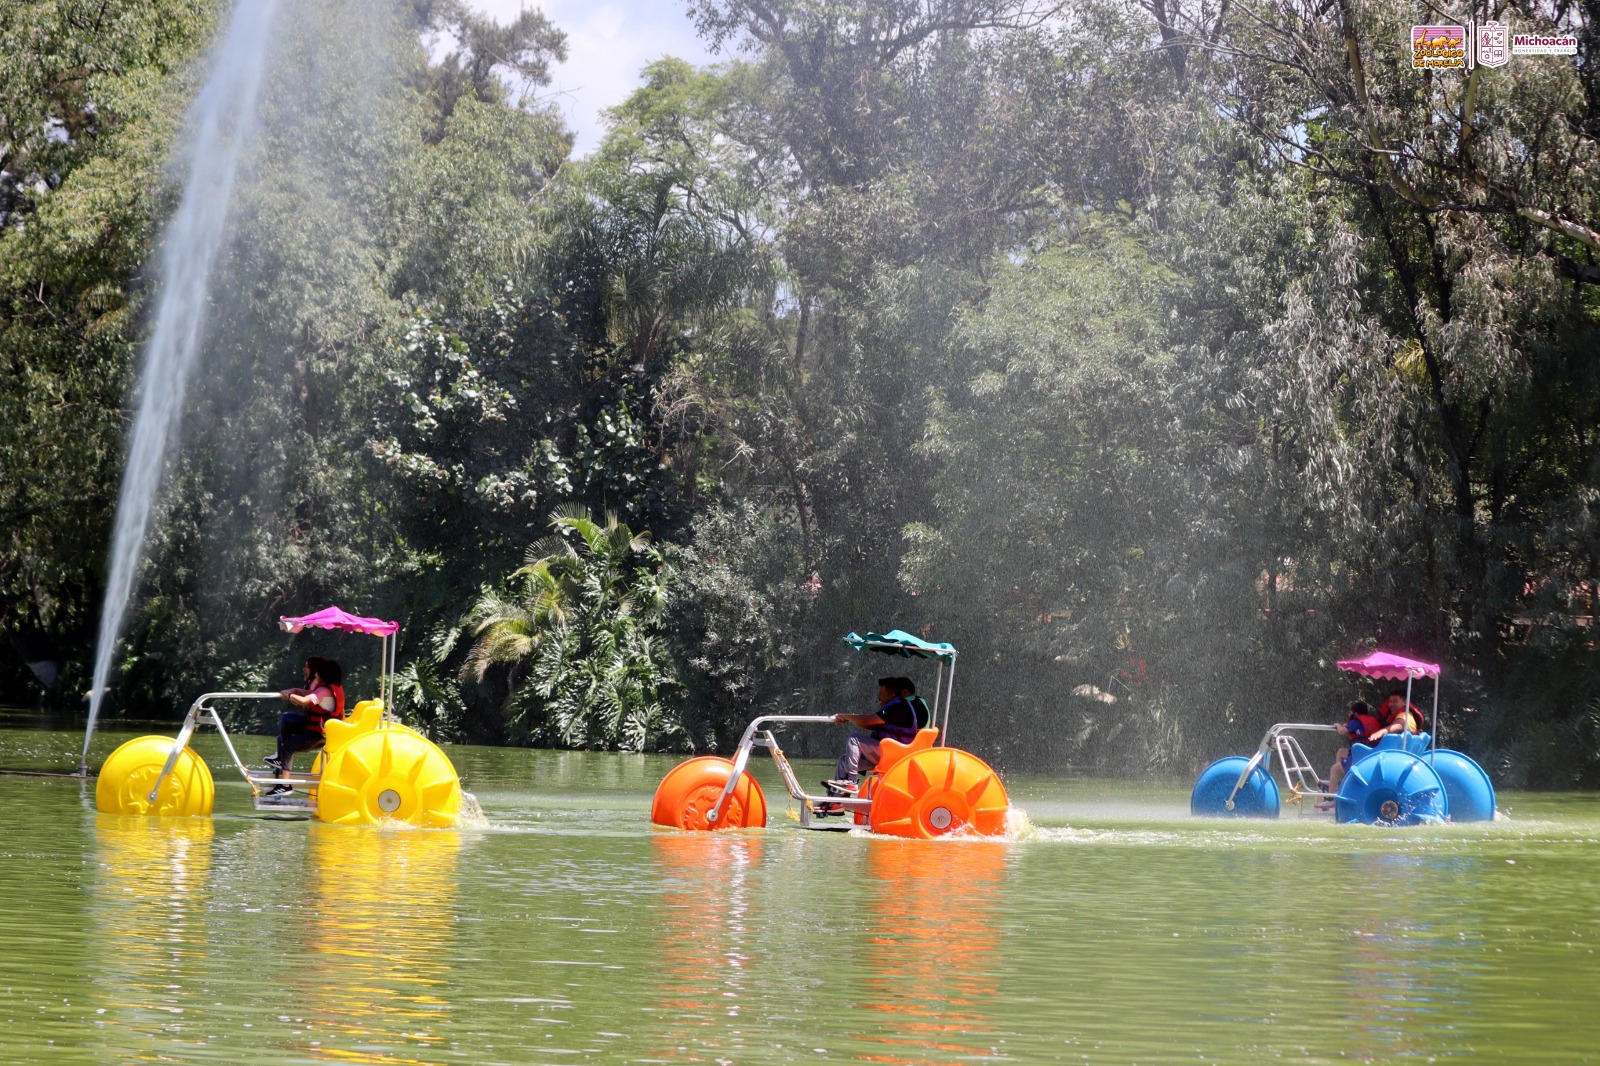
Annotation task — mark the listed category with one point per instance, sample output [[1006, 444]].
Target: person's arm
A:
[[865, 721], [302, 698], [1397, 724]]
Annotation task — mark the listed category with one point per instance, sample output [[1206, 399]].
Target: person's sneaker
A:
[[274, 764], [279, 790], [840, 787]]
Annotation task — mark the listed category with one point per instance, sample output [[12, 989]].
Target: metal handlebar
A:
[[192, 719], [742, 758]]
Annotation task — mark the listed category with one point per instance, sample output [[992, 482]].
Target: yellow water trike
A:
[[372, 768]]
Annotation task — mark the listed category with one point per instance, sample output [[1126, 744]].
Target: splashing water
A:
[[221, 121], [472, 816]]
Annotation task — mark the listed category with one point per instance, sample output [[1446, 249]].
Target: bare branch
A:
[[1582, 234]]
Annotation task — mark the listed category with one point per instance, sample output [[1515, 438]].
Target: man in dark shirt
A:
[[900, 714]]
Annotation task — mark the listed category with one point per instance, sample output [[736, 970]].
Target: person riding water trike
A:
[[304, 728], [1394, 715], [919, 787], [901, 712]]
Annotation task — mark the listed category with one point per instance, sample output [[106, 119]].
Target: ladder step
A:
[[300, 780], [284, 802]]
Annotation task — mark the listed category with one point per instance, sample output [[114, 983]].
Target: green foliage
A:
[[737, 615], [471, 71], [431, 699], [89, 97], [579, 633]]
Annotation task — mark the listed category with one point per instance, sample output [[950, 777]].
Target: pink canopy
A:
[[334, 618], [1389, 667]]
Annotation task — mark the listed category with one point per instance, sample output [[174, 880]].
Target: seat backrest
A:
[[892, 751], [361, 719]]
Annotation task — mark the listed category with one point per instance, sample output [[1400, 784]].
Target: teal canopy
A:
[[899, 642]]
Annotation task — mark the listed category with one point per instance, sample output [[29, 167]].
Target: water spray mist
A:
[[221, 122]]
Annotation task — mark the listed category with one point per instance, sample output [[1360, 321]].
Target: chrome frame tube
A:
[[949, 696], [1433, 731], [389, 711], [197, 711], [741, 759], [791, 781], [1270, 741], [1409, 678], [383, 661], [1433, 727]]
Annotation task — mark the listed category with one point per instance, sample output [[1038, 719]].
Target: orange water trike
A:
[[371, 769], [924, 788]]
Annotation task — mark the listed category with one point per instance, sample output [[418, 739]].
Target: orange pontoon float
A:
[[923, 788]]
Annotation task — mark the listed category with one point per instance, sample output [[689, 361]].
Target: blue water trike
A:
[[1405, 779]]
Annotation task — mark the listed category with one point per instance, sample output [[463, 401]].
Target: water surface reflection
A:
[[706, 944], [148, 922], [931, 968], [568, 930], [375, 947]]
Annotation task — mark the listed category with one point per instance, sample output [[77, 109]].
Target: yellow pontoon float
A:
[[372, 767]]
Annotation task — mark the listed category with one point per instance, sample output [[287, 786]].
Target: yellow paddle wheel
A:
[[374, 771]]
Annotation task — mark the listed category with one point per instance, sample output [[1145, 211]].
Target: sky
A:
[[608, 44]]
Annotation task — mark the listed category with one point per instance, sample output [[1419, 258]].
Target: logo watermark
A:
[[1439, 47], [1494, 44], [1491, 44], [1538, 44]]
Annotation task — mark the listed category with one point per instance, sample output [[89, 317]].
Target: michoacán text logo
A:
[[1537, 44]]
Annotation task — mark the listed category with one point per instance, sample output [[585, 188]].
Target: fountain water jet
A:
[[221, 122]]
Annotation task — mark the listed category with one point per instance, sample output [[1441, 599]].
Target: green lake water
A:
[[562, 928]]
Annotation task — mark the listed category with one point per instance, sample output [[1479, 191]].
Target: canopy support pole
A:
[[949, 692], [394, 657], [1433, 741], [1410, 677]]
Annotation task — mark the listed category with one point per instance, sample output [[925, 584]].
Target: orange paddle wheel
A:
[[939, 791], [687, 794]]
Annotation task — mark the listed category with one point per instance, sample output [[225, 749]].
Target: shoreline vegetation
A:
[[1154, 355]]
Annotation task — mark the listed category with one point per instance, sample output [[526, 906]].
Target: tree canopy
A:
[[1156, 353]]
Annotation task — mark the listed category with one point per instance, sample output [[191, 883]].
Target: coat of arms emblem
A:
[[1494, 44]]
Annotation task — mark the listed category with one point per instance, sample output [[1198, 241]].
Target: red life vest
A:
[[1364, 725], [1394, 707], [317, 714]]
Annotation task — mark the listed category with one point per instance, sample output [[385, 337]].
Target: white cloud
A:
[[608, 44]]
